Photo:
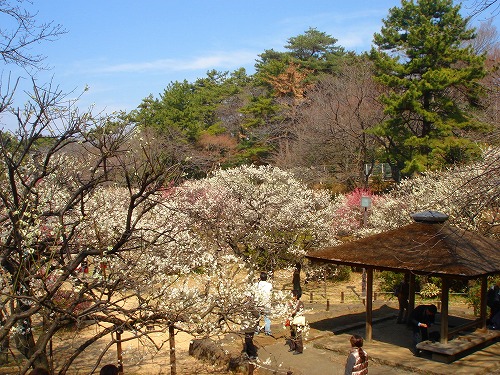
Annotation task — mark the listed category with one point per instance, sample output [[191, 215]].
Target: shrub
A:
[[473, 296], [389, 280], [430, 290]]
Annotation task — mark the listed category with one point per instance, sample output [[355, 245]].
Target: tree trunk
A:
[[4, 344], [25, 343], [4, 351]]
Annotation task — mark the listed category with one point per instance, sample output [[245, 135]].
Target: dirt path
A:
[[141, 358]]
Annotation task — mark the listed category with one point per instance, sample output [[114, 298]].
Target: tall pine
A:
[[432, 75]]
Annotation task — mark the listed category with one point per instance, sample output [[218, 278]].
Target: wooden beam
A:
[[464, 327], [369, 304]]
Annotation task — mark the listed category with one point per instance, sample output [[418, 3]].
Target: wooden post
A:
[[363, 282], [327, 305], [445, 291], [411, 294], [369, 304], [324, 273], [342, 297], [482, 304], [171, 339], [374, 296], [311, 297], [119, 351]]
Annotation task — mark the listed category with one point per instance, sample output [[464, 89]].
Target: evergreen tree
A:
[[191, 108], [432, 75], [314, 51]]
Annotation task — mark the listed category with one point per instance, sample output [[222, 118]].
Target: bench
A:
[[459, 346]]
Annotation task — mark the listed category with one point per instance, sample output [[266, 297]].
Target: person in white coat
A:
[[263, 296]]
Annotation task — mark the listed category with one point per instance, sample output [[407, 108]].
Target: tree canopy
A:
[[433, 79], [314, 50], [175, 205]]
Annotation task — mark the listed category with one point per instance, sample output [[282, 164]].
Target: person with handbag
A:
[[297, 323]]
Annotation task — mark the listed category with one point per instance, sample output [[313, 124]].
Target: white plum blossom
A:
[[256, 212], [469, 194]]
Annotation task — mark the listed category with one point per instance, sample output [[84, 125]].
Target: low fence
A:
[[352, 296]]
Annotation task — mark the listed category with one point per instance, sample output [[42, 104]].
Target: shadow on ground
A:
[[328, 340]]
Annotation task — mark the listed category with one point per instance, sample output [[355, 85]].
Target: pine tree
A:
[[432, 76]]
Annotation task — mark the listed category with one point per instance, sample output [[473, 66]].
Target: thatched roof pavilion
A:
[[430, 246]]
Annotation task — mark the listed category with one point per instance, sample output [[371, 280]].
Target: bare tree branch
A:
[[25, 32]]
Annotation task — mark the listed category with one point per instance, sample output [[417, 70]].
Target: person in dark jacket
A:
[[421, 318], [296, 279], [403, 293], [250, 325], [493, 300]]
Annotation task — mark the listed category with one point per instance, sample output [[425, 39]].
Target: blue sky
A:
[[125, 50]]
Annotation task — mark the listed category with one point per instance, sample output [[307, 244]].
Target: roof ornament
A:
[[430, 217]]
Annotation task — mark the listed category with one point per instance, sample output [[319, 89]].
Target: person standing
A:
[[403, 293], [421, 319], [357, 360], [296, 278], [249, 326], [263, 297], [297, 323], [493, 301]]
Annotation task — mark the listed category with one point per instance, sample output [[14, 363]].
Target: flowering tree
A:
[[54, 169], [349, 213], [469, 194], [80, 193], [261, 214]]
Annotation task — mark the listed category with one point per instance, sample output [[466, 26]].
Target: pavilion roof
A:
[[423, 248]]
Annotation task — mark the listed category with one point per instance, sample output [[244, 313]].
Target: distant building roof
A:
[[424, 247]]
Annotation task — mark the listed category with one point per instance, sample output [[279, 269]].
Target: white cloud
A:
[[224, 60]]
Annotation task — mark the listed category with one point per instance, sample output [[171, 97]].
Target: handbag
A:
[[299, 320]]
